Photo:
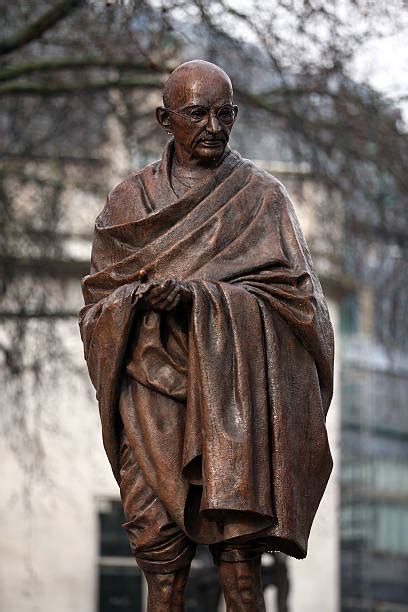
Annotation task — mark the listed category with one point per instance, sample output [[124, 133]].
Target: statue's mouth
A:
[[212, 143]]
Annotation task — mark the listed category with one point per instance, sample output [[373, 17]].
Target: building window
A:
[[349, 314], [391, 529], [120, 581]]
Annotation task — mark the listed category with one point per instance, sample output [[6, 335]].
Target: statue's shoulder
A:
[[132, 185], [124, 203], [264, 180]]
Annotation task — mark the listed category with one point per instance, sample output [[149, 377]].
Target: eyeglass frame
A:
[[234, 108]]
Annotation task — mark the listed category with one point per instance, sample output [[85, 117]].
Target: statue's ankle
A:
[[242, 586], [166, 591]]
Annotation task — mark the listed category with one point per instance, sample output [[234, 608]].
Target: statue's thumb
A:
[[143, 276]]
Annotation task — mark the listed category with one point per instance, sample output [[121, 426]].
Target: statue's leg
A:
[[162, 550], [281, 570], [242, 585], [239, 571], [166, 591]]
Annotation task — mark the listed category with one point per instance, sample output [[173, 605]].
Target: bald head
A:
[[199, 112], [193, 80]]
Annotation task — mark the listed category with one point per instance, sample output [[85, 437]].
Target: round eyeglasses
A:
[[201, 115]]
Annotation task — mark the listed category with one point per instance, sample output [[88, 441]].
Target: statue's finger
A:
[[162, 288], [147, 289], [142, 276], [169, 303], [168, 295], [162, 292], [174, 303]]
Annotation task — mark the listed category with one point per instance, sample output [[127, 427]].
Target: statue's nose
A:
[[213, 125]]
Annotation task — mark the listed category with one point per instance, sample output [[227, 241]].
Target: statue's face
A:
[[202, 119]]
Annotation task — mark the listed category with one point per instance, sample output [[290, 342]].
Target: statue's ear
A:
[[163, 118]]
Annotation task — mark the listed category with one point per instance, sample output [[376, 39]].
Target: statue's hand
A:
[[167, 295]]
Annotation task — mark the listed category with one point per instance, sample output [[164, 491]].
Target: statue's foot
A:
[[166, 591], [242, 585]]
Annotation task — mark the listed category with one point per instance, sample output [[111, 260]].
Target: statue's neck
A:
[[196, 167], [184, 178], [194, 172], [186, 174]]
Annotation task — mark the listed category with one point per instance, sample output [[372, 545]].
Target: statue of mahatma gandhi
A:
[[209, 343]]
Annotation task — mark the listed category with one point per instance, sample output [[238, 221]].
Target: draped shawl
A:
[[226, 403]]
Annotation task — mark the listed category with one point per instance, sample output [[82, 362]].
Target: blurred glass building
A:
[[374, 464]]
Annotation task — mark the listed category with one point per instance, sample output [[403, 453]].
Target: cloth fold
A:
[[223, 405]]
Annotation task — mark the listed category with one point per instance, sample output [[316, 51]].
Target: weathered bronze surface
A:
[[209, 343]]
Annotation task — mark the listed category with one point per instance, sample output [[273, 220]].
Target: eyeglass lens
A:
[[225, 115]]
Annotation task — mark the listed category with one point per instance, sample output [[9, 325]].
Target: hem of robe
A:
[[234, 525], [212, 525]]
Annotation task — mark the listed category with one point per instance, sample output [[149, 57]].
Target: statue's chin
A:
[[210, 150]]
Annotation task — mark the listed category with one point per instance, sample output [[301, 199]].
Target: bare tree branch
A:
[[35, 30], [33, 67], [59, 89]]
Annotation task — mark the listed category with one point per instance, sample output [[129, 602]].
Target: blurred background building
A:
[[374, 465], [79, 82]]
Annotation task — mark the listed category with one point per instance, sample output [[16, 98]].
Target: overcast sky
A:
[[384, 63]]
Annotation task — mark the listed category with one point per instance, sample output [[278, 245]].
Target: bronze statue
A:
[[209, 343]]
